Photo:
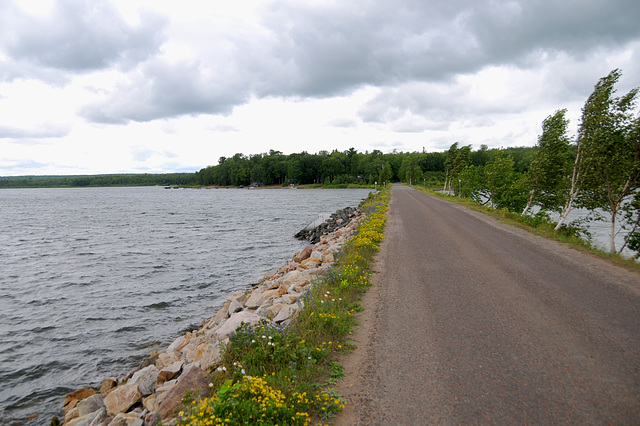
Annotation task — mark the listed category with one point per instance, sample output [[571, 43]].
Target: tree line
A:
[[345, 167], [146, 179]]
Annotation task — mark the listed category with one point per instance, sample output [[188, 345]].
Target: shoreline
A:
[[156, 388]]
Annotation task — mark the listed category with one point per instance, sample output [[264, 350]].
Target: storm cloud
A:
[[430, 65]]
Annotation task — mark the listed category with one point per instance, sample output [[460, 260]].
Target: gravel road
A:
[[470, 321]]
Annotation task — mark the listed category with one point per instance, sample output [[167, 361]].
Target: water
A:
[[93, 279]]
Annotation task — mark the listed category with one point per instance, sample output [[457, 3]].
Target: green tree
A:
[[409, 170], [386, 173], [503, 185], [550, 169], [472, 184], [456, 160], [609, 138]]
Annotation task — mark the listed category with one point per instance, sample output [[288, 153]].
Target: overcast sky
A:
[[111, 86]]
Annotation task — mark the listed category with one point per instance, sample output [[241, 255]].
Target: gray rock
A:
[[161, 391], [285, 313], [90, 419], [99, 418], [150, 403], [127, 419], [235, 306], [212, 356], [256, 299], [234, 322], [262, 311], [146, 379], [169, 372], [70, 415], [167, 357], [177, 344], [316, 256], [90, 405]]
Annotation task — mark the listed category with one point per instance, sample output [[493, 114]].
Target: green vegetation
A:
[[600, 172], [540, 224], [273, 375], [340, 169], [182, 179]]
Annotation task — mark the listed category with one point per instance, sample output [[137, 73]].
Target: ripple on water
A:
[[95, 278]]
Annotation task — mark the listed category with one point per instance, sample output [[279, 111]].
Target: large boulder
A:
[[273, 311], [164, 389], [91, 419], [150, 403], [316, 256], [167, 357], [90, 405], [285, 313], [146, 379], [212, 356], [293, 277], [192, 379], [304, 254], [178, 344], [126, 419], [70, 414], [256, 299], [122, 398], [74, 397], [169, 372], [235, 306], [235, 321]]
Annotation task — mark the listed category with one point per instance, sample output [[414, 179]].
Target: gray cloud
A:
[[78, 36], [335, 47], [159, 89], [324, 49]]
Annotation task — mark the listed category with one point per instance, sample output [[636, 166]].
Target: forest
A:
[[146, 179], [347, 167]]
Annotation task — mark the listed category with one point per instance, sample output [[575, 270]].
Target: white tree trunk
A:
[[612, 234], [528, 206], [565, 212], [575, 188]]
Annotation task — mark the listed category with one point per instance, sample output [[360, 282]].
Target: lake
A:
[[93, 279]]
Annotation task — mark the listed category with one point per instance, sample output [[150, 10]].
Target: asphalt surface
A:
[[471, 321]]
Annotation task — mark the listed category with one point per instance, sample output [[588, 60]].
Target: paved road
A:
[[473, 322]]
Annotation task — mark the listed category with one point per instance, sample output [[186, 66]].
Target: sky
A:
[[160, 86]]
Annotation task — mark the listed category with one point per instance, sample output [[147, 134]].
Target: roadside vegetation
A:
[[273, 375], [599, 171], [541, 225]]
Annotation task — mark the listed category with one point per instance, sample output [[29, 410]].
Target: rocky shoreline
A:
[[154, 391]]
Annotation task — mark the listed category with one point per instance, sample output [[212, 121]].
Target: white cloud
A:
[[166, 85]]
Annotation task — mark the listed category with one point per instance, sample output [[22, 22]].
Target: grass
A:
[[274, 375], [540, 226]]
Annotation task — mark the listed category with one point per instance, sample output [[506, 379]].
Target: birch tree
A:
[[610, 150], [547, 178], [456, 160]]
